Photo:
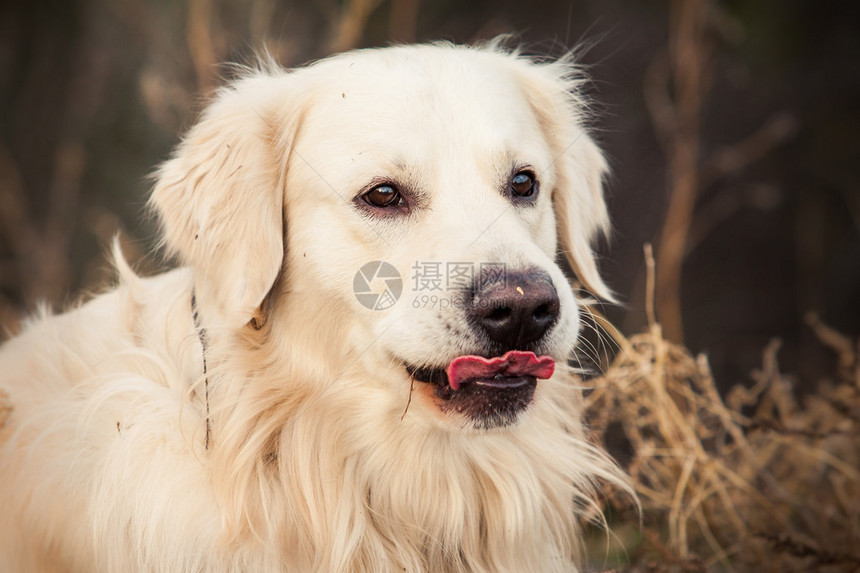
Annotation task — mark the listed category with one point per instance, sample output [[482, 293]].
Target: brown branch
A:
[[768, 424], [351, 25], [200, 44], [728, 161], [41, 258], [403, 22], [659, 101], [689, 55], [15, 221], [674, 89], [848, 350], [56, 267], [799, 548], [777, 130], [649, 285], [710, 216]]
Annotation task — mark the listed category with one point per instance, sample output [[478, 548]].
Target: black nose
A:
[[517, 311]]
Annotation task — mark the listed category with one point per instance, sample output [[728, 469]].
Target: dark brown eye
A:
[[523, 184], [383, 196]]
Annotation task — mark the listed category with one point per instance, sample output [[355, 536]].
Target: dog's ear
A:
[[220, 198], [580, 209]]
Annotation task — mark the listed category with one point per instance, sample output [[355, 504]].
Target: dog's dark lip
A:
[[428, 375]]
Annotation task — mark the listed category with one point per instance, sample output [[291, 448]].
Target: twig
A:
[[15, 222], [798, 548], [689, 55], [649, 284], [403, 21], [847, 349], [780, 128], [658, 100], [351, 25], [200, 44]]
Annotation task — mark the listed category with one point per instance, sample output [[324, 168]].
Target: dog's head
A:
[[399, 211]]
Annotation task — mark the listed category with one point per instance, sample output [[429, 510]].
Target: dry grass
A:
[[758, 480]]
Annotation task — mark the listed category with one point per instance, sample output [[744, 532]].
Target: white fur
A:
[[323, 456]]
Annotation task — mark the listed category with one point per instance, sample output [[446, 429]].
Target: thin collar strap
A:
[[201, 333]]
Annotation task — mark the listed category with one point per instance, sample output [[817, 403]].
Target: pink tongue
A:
[[513, 363]]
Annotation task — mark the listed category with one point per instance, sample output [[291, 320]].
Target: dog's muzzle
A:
[[512, 315]]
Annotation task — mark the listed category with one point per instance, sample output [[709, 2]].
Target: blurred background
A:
[[731, 127]]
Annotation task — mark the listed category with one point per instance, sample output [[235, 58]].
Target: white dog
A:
[[354, 369]]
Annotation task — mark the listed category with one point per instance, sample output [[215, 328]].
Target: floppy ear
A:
[[580, 208], [220, 198], [580, 211]]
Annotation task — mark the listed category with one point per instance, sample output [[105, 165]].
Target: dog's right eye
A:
[[383, 196]]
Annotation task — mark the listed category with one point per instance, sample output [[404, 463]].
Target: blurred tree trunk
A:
[[689, 59]]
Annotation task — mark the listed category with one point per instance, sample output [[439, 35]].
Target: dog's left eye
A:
[[523, 184], [383, 196]]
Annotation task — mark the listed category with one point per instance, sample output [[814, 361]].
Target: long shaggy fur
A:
[[302, 445]]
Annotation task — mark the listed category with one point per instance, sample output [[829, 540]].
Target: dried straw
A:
[[757, 480]]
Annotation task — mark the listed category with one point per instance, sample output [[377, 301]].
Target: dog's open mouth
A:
[[489, 391]]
